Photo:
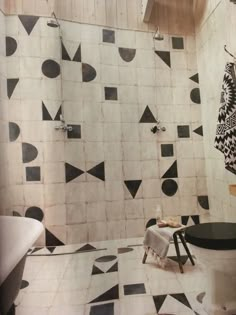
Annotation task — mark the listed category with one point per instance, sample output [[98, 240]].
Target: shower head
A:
[[53, 22], [158, 35]]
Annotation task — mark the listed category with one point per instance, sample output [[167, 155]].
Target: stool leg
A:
[[144, 257], [178, 253], [186, 248]]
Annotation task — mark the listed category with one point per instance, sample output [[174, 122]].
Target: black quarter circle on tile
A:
[[111, 294], [165, 57], [203, 201], [177, 43], [75, 133], [151, 222], [33, 174], [102, 309], [138, 288], [29, 22], [106, 258], [133, 186], [108, 36], [169, 187], [183, 131], [167, 150], [14, 131], [111, 93], [172, 172], [51, 69], [72, 172], [147, 116], [11, 85], [127, 54], [88, 72], [195, 96], [24, 284], [29, 152], [11, 46], [98, 171], [34, 213]]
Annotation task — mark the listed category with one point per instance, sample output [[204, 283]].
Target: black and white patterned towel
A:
[[225, 140]]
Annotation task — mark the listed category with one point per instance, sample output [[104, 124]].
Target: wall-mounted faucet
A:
[[64, 127], [158, 128]]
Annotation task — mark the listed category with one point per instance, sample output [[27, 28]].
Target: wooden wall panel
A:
[[122, 17], [111, 18], [89, 11], [100, 9]]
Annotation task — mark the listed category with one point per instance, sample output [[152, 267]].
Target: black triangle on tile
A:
[[98, 171], [183, 259], [65, 55], [51, 248], [133, 186], [111, 294], [24, 284], [11, 85], [52, 240], [195, 78], [199, 131], [165, 56], [195, 219], [58, 114], [36, 249], [158, 301], [147, 116], [96, 271], [45, 113], [16, 214], [181, 297], [184, 219], [86, 247], [77, 56], [28, 21], [72, 172], [172, 172], [113, 268]]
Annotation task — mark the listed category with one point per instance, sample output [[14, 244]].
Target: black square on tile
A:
[[167, 150], [183, 131], [75, 133], [33, 174], [102, 309], [138, 288], [177, 43], [111, 93], [108, 36]]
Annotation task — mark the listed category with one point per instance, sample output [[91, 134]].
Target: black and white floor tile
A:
[[108, 278]]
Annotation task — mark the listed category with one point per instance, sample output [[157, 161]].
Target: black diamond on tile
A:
[[85, 248], [98, 171], [11, 46], [183, 259], [24, 284], [102, 309], [33, 173], [177, 43], [88, 73], [14, 131], [195, 219], [52, 240], [11, 85], [45, 113], [58, 115], [172, 172], [113, 268], [29, 152], [133, 186], [195, 96], [72, 172], [195, 78], [147, 116], [127, 54], [75, 133], [28, 21], [181, 297], [65, 55], [165, 56], [106, 258], [158, 301], [203, 201], [138, 288], [34, 213], [111, 294], [124, 250], [108, 36], [184, 219], [167, 150], [199, 131], [169, 187], [77, 56], [183, 131], [51, 68], [111, 93], [151, 222], [96, 271]]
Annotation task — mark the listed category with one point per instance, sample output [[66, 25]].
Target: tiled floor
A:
[[83, 283]]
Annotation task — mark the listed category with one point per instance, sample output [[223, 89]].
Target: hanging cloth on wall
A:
[[225, 140]]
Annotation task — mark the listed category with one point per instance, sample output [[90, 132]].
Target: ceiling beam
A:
[[147, 6]]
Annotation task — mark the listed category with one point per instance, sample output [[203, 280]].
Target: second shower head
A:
[[158, 35]]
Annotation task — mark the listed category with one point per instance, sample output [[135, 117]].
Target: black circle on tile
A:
[[106, 258], [11, 46], [124, 250], [35, 213], [169, 187], [24, 284], [195, 96], [51, 68]]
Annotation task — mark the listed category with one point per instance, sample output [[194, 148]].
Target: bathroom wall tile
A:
[[87, 51], [53, 151], [33, 195], [111, 112], [94, 151], [55, 215], [146, 77], [150, 169], [74, 151], [48, 49], [54, 194], [30, 89], [131, 151], [130, 134], [109, 55], [114, 191], [186, 168], [187, 186], [152, 208], [181, 95], [96, 211], [76, 213], [147, 95], [127, 75], [171, 206], [94, 191], [178, 60], [201, 183], [185, 149], [148, 151], [114, 170], [115, 210], [164, 95], [128, 94], [97, 231], [151, 188], [51, 90], [113, 136], [188, 205], [134, 209], [93, 132], [132, 170], [163, 77], [200, 167], [77, 233], [143, 40], [75, 192], [125, 38], [71, 71], [54, 173], [116, 230], [113, 151], [198, 149], [109, 74], [135, 228], [72, 91], [92, 112]]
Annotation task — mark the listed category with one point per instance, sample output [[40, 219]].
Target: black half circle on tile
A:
[[106, 258], [88, 73], [123, 250], [11, 46], [34, 213], [11, 85], [195, 96], [29, 152], [151, 222], [127, 54], [169, 187], [51, 68], [24, 284], [203, 201], [14, 131], [28, 21]]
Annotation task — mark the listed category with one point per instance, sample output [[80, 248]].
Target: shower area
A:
[[101, 124]]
